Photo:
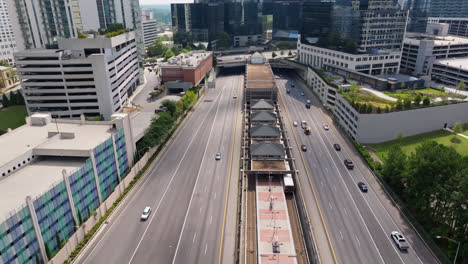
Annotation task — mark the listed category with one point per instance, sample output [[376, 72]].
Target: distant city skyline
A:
[[163, 2]]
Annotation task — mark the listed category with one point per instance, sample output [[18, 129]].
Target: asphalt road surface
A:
[[358, 224], [186, 191]]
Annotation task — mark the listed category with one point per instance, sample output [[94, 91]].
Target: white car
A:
[[399, 240], [235, 96], [302, 94], [295, 124], [146, 213], [218, 156], [326, 127]]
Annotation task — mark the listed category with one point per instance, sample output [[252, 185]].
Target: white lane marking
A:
[[206, 247], [317, 130], [112, 224], [169, 184], [217, 177], [206, 187], [326, 169], [334, 187], [211, 219], [331, 207], [345, 211], [200, 209], [194, 236], [341, 234], [321, 183], [215, 196], [196, 181], [357, 239]]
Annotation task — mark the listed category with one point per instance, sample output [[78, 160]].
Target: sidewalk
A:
[[380, 94], [461, 135], [138, 89]]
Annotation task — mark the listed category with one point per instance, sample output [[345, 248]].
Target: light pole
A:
[[454, 241]]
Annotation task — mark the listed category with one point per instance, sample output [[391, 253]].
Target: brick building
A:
[[187, 68]]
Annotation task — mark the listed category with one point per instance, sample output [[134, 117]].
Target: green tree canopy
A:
[[170, 105], [394, 168], [4, 63], [168, 54]]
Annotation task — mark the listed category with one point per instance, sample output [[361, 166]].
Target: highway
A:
[[358, 224], [186, 191]]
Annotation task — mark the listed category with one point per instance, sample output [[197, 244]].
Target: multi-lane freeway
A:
[[358, 224], [186, 189]]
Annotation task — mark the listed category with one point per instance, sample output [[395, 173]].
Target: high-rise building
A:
[[39, 24], [365, 35], [149, 27], [91, 76], [7, 38]]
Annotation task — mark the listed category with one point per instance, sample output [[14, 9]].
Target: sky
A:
[[163, 2]]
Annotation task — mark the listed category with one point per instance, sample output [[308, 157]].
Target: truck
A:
[[307, 130]]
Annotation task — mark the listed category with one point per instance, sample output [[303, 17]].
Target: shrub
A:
[[379, 110], [455, 140], [426, 101]]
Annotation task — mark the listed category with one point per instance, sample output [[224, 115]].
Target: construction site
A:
[[271, 230]]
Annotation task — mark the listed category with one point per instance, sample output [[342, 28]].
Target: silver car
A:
[[146, 213]]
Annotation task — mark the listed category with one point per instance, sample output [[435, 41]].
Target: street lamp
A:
[[454, 241]]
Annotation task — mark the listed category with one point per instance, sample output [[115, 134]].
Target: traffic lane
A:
[[151, 81], [200, 225], [160, 241], [337, 203], [372, 200], [124, 229]]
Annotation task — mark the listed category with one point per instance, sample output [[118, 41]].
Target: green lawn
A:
[[12, 117], [410, 143], [367, 97], [432, 93]]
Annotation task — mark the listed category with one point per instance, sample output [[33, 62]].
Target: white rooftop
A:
[[187, 60], [415, 38], [460, 63], [22, 139], [33, 180]]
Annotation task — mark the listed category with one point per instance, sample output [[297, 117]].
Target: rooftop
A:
[[260, 76], [85, 136], [188, 60], [415, 38], [460, 63], [262, 104], [265, 131], [263, 116], [28, 182]]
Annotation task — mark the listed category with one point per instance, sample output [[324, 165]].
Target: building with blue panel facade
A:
[[58, 173]]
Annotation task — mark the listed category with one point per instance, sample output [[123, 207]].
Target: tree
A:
[[394, 168], [224, 41], [273, 54], [417, 99], [47, 250], [387, 109], [290, 53], [281, 53], [369, 108], [5, 101], [168, 54], [80, 218], [460, 86], [399, 104], [415, 86], [201, 46], [157, 49], [37, 259], [175, 50], [170, 105], [407, 103], [426, 101], [379, 110], [4, 63], [457, 128], [363, 108]]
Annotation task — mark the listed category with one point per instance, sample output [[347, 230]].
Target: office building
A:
[[418, 13], [450, 72], [91, 76], [150, 29], [7, 38], [363, 36], [55, 174], [37, 24], [186, 69], [457, 25], [420, 51]]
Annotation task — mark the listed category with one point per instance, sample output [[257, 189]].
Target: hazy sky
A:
[[163, 2]]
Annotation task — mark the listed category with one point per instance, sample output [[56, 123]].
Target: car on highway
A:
[[218, 156], [303, 147], [146, 213], [399, 240], [302, 94], [326, 127], [337, 147], [292, 84], [295, 124], [288, 91], [235, 96], [308, 106], [304, 124], [362, 186], [308, 101], [349, 164]]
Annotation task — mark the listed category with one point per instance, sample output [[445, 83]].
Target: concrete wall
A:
[[374, 128]]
